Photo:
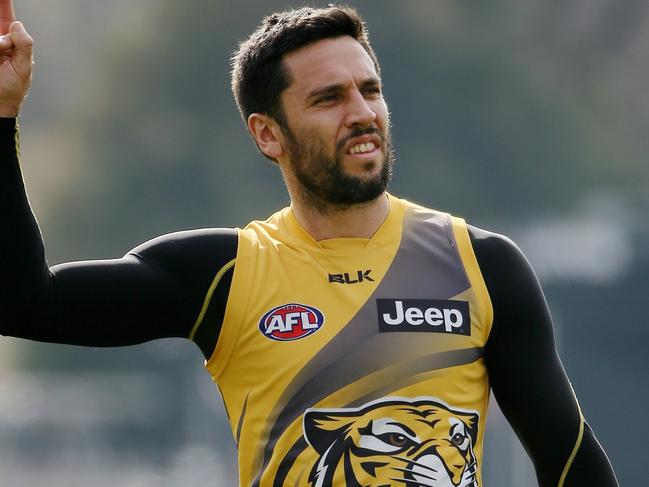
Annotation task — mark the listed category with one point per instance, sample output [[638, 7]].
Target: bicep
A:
[[106, 303], [155, 291]]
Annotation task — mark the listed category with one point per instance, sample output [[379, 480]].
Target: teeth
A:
[[358, 148]]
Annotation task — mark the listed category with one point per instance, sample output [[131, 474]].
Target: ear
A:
[[267, 135], [471, 420], [322, 428]]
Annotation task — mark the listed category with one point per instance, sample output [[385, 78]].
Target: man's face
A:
[[337, 139]]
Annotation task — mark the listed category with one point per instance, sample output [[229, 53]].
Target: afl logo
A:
[[291, 322]]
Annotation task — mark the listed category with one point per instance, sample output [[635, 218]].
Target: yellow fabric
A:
[[261, 379]]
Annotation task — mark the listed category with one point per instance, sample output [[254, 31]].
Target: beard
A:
[[324, 182]]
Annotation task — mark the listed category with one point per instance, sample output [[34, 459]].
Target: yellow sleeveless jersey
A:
[[356, 362]]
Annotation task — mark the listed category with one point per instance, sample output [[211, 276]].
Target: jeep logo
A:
[[424, 315]]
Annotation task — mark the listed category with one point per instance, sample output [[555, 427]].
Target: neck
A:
[[360, 220]]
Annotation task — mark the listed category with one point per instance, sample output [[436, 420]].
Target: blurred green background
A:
[[527, 118]]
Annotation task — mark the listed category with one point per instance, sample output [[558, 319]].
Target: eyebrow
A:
[[335, 88]]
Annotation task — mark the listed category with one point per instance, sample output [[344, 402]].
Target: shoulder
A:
[[511, 282], [514, 289], [190, 250], [491, 242], [487, 245], [200, 240], [496, 253]]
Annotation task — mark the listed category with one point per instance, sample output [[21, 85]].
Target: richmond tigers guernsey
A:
[[324, 345], [342, 362]]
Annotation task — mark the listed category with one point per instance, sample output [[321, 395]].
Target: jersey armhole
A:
[[237, 300], [472, 268], [208, 297]]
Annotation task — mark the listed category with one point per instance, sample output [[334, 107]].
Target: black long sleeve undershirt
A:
[[526, 374], [157, 290]]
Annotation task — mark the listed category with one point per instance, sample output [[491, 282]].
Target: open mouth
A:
[[364, 148], [364, 151], [429, 470]]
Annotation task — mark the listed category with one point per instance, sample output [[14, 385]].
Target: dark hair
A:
[[258, 75]]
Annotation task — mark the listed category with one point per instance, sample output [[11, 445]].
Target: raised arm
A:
[[157, 290], [527, 376]]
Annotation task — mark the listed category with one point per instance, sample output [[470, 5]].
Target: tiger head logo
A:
[[401, 442]]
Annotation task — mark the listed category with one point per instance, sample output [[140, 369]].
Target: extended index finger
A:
[[7, 15]]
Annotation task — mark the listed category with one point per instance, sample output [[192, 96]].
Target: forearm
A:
[[24, 270], [590, 465], [105, 303]]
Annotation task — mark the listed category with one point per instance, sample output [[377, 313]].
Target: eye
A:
[[387, 436], [373, 90], [457, 439], [395, 439], [332, 98]]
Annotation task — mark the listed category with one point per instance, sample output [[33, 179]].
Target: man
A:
[[354, 336]]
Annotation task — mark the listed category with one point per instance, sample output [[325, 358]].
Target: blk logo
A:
[[347, 278], [291, 322], [424, 315]]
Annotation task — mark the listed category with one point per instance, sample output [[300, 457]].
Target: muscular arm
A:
[[155, 291], [527, 376]]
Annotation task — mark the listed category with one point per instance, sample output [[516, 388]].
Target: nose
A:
[[359, 112]]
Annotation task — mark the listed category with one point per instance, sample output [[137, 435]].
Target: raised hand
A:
[[15, 61]]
